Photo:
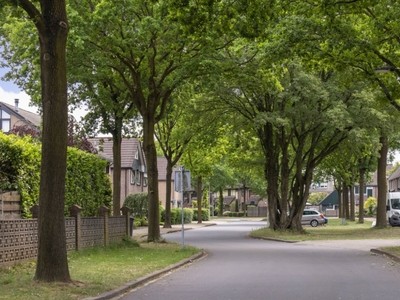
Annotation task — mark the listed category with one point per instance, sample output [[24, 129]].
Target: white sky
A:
[[9, 92]]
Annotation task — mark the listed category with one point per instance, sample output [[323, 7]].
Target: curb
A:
[[387, 254], [142, 280]]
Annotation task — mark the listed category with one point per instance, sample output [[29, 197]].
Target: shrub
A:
[[138, 203], [87, 184], [205, 216]]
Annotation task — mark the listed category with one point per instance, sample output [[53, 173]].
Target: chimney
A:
[[16, 104]]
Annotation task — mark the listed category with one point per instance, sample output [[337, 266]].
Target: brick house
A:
[[133, 165]]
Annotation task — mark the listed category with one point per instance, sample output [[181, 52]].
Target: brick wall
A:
[[18, 238]]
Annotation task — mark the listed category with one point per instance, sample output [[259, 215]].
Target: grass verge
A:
[[93, 270], [334, 230]]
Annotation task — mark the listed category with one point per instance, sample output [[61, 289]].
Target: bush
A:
[[205, 216], [86, 185], [138, 203], [176, 216]]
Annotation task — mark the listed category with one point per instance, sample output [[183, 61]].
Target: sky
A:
[[9, 92]]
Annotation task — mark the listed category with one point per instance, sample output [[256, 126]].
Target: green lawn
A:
[[93, 270], [334, 230]]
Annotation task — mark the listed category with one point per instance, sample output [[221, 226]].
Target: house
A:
[[133, 165], [394, 181], [14, 116], [176, 196]]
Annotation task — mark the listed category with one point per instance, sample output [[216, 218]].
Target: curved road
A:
[[238, 267]]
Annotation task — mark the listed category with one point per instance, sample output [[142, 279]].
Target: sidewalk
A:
[[141, 232]]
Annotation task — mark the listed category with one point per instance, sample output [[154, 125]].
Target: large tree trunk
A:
[[361, 197], [346, 201], [221, 203], [52, 264], [382, 188], [167, 221], [199, 199], [352, 204], [152, 171], [117, 141]]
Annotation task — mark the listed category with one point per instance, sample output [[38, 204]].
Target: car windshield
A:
[[395, 203]]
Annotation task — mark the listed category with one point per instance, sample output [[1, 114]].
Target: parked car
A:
[[312, 217], [394, 220]]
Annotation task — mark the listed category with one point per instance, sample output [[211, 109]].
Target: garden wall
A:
[[19, 238]]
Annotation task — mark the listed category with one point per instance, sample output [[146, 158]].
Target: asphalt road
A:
[[238, 267]]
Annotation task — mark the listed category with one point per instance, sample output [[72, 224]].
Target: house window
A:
[[135, 177], [145, 179], [357, 190], [138, 177], [5, 119], [369, 192]]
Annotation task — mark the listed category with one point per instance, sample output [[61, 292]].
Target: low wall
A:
[[19, 238], [255, 211]]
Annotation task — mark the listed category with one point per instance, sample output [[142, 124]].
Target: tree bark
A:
[[382, 188], [346, 201], [52, 25], [199, 199], [152, 171], [117, 142], [167, 221], [352, 204], [361, 197]]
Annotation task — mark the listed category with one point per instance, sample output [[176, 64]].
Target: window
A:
[[357, 190], [145, 179], [5, 123], [135, 177]]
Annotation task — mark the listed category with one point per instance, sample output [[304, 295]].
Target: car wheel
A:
[[314, 223]]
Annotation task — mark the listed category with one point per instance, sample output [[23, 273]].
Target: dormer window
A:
[[5, 121]]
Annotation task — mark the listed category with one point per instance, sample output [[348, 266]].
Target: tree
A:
[[52, 27]]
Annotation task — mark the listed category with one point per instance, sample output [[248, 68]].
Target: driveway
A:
[[238, 267]]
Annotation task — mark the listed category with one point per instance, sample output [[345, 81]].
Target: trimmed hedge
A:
[[87, 184], [205, 215], [176, 216]]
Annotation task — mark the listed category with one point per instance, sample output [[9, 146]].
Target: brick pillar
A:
[[103, 212], [35, 211], [126, 211], [75, 212]]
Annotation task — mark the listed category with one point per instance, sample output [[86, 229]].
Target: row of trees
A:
[[272, 91]]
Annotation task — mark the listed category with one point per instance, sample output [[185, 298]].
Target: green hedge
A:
[[87, 184], [138, 203], [176, 216], [205, 214]]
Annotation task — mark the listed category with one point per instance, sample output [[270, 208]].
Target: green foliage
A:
[[20, 168], [205, 214], [316, 198], [87, 184], [371, 204], [138, 203], [176, 216]]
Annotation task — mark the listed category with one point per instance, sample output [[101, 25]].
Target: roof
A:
[[228, 199], [128, 149], [162, 169], [29, 117], [332, 198]]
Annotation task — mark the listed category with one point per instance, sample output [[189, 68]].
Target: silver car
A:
[[312, 217]]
